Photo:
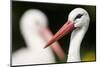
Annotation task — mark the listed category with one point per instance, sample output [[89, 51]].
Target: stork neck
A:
[[75, 42], [33, 40]]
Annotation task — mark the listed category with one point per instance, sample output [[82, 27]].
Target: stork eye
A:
[[78, 16]]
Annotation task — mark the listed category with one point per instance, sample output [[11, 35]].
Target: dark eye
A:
[[78, 16]]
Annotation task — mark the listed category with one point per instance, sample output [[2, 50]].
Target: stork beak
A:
[[65, 29]]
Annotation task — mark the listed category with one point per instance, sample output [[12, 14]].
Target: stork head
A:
[[33, 20], [78, 18]]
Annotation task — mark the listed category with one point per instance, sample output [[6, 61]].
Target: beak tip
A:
[[45, 46]]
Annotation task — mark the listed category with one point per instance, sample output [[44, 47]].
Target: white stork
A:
[[78, 23], [33, 27]]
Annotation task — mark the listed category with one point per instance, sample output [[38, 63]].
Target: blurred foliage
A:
[[89, 56]]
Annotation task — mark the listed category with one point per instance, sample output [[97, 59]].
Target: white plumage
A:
[[32, 22], [78, 23], [77, 35]]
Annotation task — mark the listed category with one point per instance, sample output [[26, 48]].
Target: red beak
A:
[[65, 29]]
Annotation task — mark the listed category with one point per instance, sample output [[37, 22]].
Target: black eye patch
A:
[[78, 16]]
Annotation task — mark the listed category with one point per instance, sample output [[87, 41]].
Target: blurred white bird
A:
[[78, 23], [33, 27]]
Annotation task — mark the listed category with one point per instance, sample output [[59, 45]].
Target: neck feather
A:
[[75, 42], [33, 39]]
